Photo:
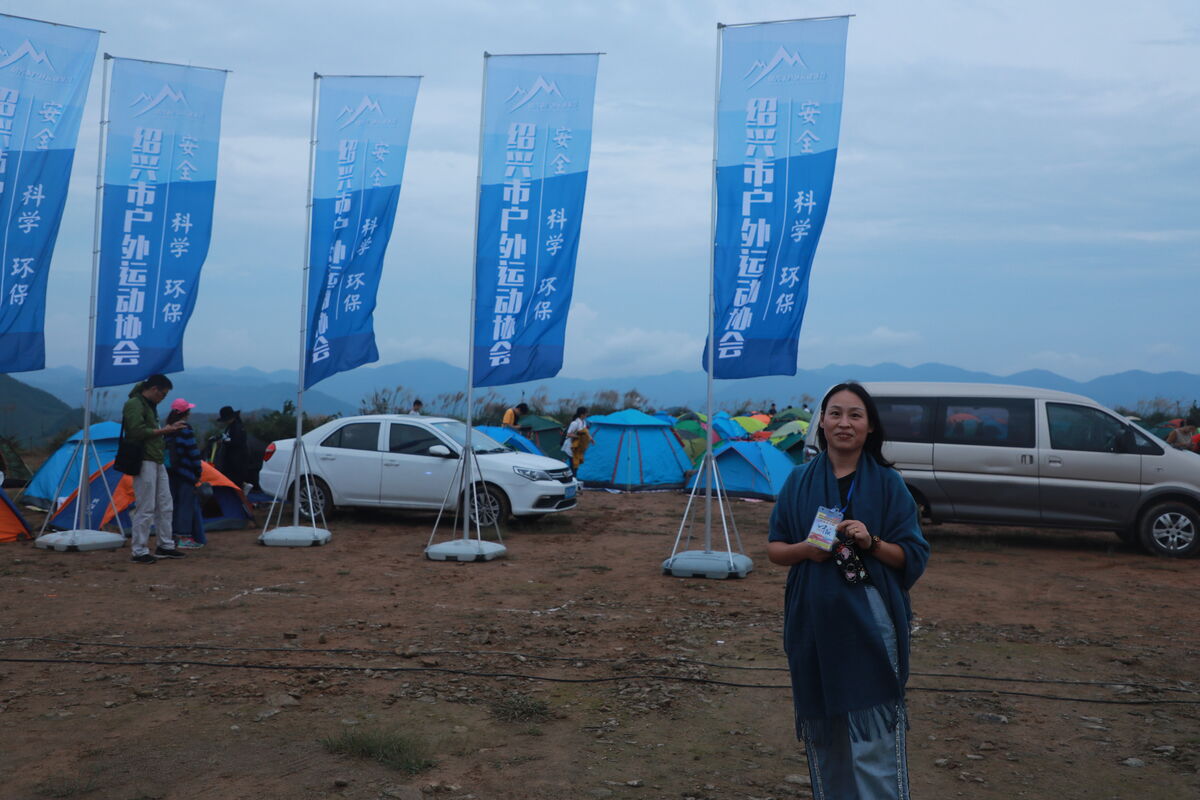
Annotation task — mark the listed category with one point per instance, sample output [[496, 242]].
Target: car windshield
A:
[[480, 441]]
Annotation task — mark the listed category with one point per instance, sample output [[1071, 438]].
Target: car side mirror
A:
[[440, 450]]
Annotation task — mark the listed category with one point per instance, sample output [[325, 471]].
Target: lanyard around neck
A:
[[850, 493]]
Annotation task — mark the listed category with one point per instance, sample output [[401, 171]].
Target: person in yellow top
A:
[[513, 415], [577, 439]]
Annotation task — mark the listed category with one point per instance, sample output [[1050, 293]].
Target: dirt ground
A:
[[1046, 665]]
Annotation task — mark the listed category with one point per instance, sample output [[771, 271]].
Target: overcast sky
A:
[[1018, 182]]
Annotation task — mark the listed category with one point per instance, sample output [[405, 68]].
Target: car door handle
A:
[[1054, 461], [1026, 458], [327, 458], [391, 463]]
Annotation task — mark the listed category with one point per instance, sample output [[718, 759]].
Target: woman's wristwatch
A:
[[874, 543]]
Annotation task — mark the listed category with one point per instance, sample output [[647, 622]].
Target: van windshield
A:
[[480, 441]]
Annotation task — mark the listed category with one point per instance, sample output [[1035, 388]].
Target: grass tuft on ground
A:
[[517, 707], [394, 749]]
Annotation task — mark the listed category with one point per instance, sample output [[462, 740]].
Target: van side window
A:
[[996, 422], [1081, 428], [906, 419], [355, 436]]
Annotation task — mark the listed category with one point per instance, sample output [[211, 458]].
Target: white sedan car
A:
[[403, 461]]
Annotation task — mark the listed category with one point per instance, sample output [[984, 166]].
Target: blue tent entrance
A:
[[510, 438], [66, 460], [749, 469], [633, 451]]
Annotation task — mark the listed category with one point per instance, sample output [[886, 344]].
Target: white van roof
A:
[[954, 389]]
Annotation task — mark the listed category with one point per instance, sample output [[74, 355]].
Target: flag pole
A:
[[297, 536], [463, 549], [705, 563], [81, 537]]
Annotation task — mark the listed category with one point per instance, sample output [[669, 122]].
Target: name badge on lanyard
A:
[[824, 528]]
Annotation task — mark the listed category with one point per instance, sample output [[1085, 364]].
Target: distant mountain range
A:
[[249, 389]]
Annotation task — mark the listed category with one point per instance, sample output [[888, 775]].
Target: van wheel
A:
[[1171, 529], [489, 506], [316, 501]]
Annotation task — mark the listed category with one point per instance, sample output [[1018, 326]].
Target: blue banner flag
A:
[[362, 142], [778, 115], [44, 74], [160, 175], [537, 140]]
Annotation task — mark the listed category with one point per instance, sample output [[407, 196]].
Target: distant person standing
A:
[[232, 449], [577, 439], [513, 416], [151, 487], [417, 407], [187, 520], [771, 411]]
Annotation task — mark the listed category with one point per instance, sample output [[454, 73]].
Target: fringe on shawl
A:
[[864, 725]]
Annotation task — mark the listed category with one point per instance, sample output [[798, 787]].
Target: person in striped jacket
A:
[[183, 471]]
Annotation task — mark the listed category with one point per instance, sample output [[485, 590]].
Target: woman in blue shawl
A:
[[846, 612]]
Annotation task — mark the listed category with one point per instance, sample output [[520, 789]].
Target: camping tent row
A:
[[786, 431], [58, 480]]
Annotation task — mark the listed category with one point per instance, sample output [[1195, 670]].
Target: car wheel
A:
[[489, 506], [316, 501], [1171, 529]]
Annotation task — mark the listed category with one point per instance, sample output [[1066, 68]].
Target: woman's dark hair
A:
[[877, 436], [579, 412], [175, 416]]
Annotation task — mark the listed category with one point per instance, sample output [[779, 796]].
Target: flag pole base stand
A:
[[295, 536], [79, 541], [465, 550], [708, 564]]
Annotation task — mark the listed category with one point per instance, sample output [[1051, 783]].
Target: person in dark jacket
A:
[[183, 473], [232, 451], [139, 421]]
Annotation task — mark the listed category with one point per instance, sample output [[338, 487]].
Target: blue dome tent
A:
[[633, 451], [749, 469], [46, 481], [510, 438]]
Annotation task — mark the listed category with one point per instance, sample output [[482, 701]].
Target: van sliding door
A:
[[985, 458]]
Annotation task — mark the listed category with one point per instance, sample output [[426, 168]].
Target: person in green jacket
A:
[[151, 489]]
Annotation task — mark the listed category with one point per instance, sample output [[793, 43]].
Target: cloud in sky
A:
[[1015, 179]]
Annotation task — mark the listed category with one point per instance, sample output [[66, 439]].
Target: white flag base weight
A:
[[465, 550], [708, 564], [295, 536], [79, 541]]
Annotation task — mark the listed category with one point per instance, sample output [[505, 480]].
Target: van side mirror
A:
[[440, 450]]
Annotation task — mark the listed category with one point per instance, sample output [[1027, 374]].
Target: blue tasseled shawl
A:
[[839, 664]]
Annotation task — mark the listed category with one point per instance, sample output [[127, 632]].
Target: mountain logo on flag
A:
[[782, 57], [150, 103], [352, 115], [540, 86], [26, 49]]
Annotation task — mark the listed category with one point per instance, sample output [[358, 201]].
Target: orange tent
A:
[[13, 526], [123, 496]]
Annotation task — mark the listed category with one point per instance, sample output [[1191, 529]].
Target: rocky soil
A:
[[1046, 665]]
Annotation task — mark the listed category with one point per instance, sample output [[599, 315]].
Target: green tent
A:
[[12, 465], [787, 415], [546, 432], [794, 447]]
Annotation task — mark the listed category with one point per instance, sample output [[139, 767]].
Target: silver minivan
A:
[[1015, 455]]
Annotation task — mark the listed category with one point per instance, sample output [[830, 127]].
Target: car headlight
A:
[[532, 474]]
